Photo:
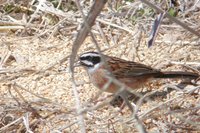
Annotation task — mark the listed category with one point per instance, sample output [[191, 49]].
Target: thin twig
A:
[[171, 17], [8, 125]]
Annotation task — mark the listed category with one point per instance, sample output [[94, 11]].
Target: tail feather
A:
[[177, 74]]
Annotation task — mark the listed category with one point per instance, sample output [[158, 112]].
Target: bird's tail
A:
[[177, 74]]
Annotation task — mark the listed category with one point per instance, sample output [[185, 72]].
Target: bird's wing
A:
[[129, 69]]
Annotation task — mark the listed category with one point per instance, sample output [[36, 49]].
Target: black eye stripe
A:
[[89, 58], [93, 59], [96, 60]]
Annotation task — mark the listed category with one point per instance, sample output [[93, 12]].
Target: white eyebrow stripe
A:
[[90, 54]]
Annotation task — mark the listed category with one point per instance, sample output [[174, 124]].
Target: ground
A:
[[37, 90]]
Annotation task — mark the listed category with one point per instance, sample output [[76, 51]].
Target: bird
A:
[[109, 73]]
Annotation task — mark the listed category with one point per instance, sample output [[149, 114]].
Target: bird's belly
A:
[[105, 83]]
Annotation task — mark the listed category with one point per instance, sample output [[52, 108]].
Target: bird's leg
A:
[[125, 95], [120, 100]]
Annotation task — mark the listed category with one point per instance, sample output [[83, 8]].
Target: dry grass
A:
[[36, 86]]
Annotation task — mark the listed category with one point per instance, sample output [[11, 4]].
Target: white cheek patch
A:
[[92, 69], [89, 63]]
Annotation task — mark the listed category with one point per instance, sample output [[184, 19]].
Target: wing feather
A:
[[128, 69]]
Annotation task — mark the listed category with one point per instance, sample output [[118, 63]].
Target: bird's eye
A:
[[89, 58]]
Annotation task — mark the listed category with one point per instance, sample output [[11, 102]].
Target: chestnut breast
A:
[[101, 80]]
